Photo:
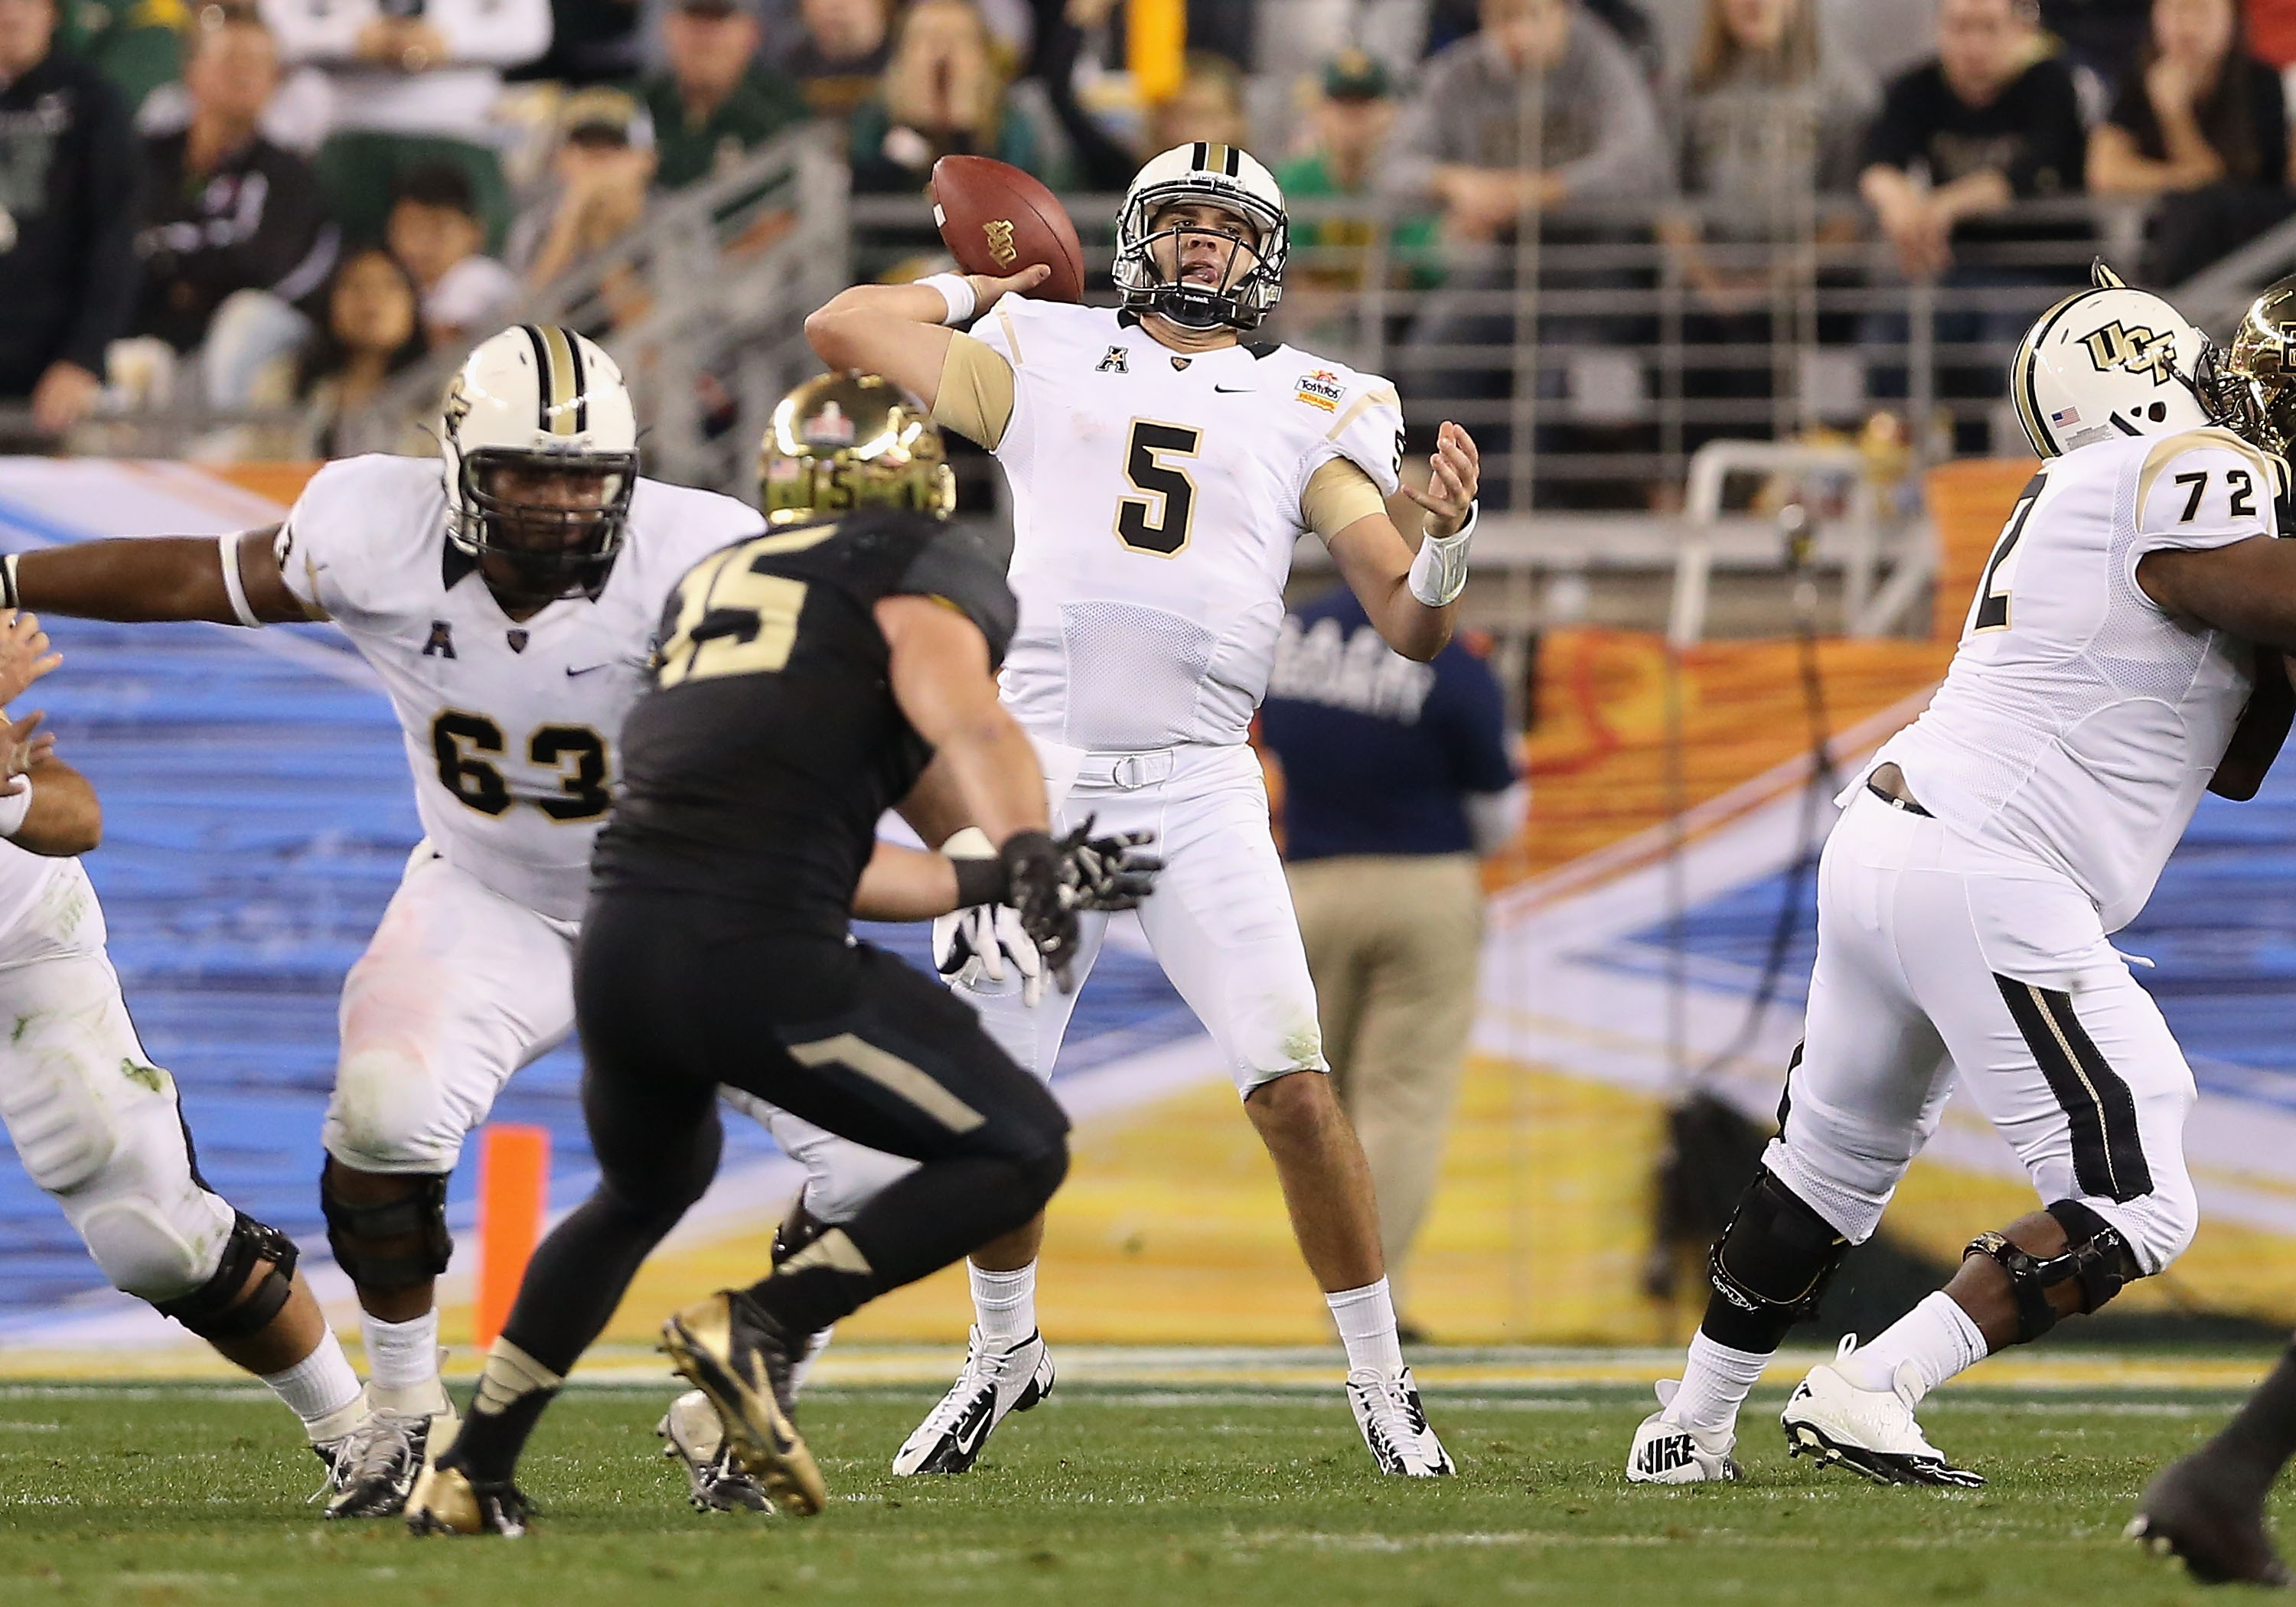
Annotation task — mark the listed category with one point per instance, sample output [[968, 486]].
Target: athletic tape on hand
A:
[[1438, 574]]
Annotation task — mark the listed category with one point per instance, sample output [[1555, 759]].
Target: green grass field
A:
[[190, 1495]]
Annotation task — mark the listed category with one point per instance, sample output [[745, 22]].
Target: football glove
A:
[[1108, 872], [976, 944], [1036, 888]]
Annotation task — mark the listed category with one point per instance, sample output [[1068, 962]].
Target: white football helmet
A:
[[539, 399], [1222, 176], [2110, 361]]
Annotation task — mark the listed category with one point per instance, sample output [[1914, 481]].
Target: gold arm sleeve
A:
[[1336, 495], [976, 391]]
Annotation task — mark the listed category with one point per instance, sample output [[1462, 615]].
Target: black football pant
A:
[[677, 994]]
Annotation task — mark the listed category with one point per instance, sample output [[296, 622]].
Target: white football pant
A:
[[1935, 954]]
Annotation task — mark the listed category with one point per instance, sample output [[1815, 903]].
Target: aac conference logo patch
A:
[[1319, 388]]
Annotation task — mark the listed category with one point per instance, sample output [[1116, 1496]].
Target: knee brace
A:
[[214, 1310], [351, 1227], [2096, 1256], [1777, 1255]]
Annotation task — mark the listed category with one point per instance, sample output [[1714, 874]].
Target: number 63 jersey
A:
[[2079, 722], [1156, 499], [512, 726]]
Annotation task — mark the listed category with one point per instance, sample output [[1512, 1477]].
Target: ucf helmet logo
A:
[[2135, 350]]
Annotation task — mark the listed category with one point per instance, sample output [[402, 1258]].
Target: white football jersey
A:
[[512, 727], [1156, 499], [2079, 723]]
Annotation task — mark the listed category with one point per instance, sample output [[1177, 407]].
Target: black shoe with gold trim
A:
[[740, 1357]]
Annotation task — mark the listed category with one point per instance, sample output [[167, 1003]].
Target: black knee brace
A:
[[2095, 1255], [350, 1228], [1777, 1256], [214, 1310]]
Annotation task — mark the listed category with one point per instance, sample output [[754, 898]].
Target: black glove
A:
[[1035, 887], [1108, 872]]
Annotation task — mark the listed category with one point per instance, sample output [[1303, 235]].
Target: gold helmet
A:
[[851, 440], [2255, 377]]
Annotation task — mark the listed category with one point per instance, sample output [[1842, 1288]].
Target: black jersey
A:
[[757, 763]]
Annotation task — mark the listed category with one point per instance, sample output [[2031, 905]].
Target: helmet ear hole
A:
[[2157, 412]]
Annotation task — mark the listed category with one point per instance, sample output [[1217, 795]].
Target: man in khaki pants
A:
[[1398, 778]]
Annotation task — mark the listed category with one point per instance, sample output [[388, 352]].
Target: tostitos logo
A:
[[1001, 248], [1319, 388]]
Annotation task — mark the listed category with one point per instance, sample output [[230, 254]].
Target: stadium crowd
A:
[[280, 204]]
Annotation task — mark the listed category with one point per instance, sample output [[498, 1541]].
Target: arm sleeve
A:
[[1367, 434], [494, 33], [2202, 488], [976, 385], [1628, 161], [110, 274], [954, 567]]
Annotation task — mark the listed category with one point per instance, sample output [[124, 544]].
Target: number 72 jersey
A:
[[2080, 722], [512, 727]]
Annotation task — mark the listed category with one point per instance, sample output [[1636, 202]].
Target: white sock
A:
[[402, 1365], [322, 1390], [1004, 1303], [1366, 1323], [1936, 1336], [1715, 1383]]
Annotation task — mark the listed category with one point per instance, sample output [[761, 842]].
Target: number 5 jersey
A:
[[2079, 722], [513, 726], [1156, 498]]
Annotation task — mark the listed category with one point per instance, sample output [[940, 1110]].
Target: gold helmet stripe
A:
[[564, 398]]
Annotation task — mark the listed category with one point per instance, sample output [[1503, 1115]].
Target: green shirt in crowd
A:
[[1413, 247], [761, 106]]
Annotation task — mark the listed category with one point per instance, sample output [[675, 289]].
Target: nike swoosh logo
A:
[[971, 1433], [587, 668]]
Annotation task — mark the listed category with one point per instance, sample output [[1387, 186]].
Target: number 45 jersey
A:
[[2079, 722], [1156, 499], [512, 726]]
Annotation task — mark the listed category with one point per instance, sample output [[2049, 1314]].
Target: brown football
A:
[[995, 220]]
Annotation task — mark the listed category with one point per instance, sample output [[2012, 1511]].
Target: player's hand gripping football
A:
[[1108, 872], [991, 290], [1455, 469]]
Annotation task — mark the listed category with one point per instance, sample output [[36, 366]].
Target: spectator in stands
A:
[[1991, 119], [135, 44], [1767, 120], [67, 211], [234, 233], [416, 81], [2202, 124], [846, 47], [1353, 115], [716, 103], [1396, 776], [1209, 105], [1461, 144], [600, 172], [372, 330], [944, 91], [434, 230]]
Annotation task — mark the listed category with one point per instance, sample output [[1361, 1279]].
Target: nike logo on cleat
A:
[[1665, 1456]]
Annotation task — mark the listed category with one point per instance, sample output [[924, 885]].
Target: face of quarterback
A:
[[1200, 242]]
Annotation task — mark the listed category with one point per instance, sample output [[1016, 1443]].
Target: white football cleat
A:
[[991, 1388], [1868, 1431], [1394, 1424], [716, 1482], [1666, 1452]]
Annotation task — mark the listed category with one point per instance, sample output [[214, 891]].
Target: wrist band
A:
[[957, 290], [233, 586], [980, 873], [14, 806], [1438, 574], [8, 581]]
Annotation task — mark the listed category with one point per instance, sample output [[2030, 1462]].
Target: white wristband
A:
[[1438, 574], [233, 586], [14, 806], [957, 290]]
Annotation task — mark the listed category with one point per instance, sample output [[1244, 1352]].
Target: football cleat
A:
[[1666, 1452], [377, 1463], [1869, 1431], [1394, 1424], [2194, 1510], [738, 1357], [447, 1501], [697, 1443], [992, 1386]]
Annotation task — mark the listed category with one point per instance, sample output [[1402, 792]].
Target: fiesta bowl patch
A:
[[1320, 388]]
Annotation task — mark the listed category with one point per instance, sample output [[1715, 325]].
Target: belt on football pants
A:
[[1127, 772], [1895, 802]]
